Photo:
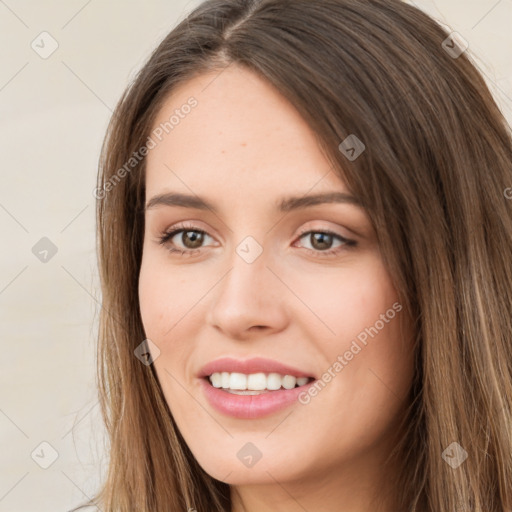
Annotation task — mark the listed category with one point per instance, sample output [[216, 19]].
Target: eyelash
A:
[[168, 235]]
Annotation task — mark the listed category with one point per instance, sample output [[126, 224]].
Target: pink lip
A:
[[250, 406], [255, 365]]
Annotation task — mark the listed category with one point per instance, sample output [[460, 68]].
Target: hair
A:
[[432, 179]]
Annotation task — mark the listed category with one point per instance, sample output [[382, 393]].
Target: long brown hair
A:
[[433, 179]]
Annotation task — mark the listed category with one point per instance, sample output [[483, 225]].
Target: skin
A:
[[243, 148]]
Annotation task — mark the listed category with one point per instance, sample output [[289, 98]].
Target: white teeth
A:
[[289, 382], [274, 381], [246, 392], [216, 380], [256, 381], [240, 382]]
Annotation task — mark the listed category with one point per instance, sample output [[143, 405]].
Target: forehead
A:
[[240, 134]]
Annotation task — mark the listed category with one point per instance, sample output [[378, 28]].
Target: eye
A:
[[191, 238], [322, 242]]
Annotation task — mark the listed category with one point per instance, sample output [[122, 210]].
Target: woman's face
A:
[[266, 281]]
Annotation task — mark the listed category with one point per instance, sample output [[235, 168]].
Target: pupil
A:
[[320, 237], [195, 238]]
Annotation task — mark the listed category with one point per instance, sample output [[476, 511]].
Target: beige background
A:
[[53, 114]]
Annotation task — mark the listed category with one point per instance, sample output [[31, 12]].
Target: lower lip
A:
[[251, 406]]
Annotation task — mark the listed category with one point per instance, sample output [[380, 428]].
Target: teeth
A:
[[256, 381], [289, 382], [246, 392], [237, 382], [274, 381], [216, 380]]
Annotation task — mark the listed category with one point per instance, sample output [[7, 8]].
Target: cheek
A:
[[364, 338], [165, 319], [159, 288], [341, 303], [368, 361], [172, 310], [152, 299]]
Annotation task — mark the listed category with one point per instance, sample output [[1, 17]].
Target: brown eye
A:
[[321, 241], [192, 239]]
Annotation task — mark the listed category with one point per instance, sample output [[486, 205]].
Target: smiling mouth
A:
[[255, 383]]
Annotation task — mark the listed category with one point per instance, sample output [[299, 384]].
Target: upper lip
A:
[[248, 366]]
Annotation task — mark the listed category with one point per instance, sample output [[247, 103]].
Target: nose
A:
[[248, 300]]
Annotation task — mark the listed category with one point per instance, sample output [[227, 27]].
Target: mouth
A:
[[252, 388], [255, 383], [253, 395]]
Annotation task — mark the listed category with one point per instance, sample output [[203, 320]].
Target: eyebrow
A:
[[285, 205]]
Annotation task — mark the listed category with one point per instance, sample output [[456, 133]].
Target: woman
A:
[[304, 249]]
